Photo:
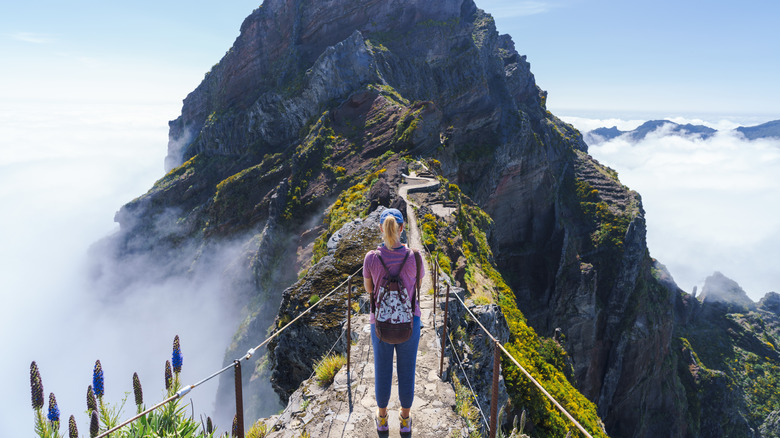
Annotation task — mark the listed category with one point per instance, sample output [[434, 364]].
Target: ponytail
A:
[[391, 232]]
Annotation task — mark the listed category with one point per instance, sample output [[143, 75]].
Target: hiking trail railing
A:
[[236, 366], [497, 350], [491, 424]]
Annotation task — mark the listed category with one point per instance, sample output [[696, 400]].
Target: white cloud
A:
[[32, 37], [65, 169], [711, 204], [587, 124]]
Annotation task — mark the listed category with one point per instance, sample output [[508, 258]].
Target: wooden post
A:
[[444, 331], [349, 320], [239, 400], [435, 284], [494, 396]]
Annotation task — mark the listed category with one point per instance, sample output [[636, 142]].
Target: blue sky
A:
[[677, 56], [693, 56]]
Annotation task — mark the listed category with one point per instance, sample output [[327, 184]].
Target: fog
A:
[[64, 171], [711, 205]]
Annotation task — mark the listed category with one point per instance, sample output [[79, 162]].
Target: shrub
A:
[[258, 430], [325, 370]]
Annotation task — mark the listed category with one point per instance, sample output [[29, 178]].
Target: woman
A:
[[393, 253]]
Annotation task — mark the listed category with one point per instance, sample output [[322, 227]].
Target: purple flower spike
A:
[[137, 390], [176, 359], [168, 375], [36, 386], [73, 431], [97, 379], [54, 411], [91, 402]]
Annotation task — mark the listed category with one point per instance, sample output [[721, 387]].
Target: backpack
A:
[[393, 310]]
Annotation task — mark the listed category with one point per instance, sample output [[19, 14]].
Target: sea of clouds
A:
[[711, 205], [65, 169]]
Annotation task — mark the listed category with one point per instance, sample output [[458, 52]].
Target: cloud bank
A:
[[710, 204], [65, 169]]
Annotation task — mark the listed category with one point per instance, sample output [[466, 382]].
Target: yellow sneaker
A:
[[381, 422], [406, 424]]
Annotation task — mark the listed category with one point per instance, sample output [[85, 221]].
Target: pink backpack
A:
[[393, 310]]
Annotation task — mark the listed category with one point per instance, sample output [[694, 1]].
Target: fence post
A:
[[494, 396], [349, 320], [239, 400], [435, 284], [444, 331]]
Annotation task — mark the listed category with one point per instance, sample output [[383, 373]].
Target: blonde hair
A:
[[391, 232]]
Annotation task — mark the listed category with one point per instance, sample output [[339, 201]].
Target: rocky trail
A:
[[346, 407]]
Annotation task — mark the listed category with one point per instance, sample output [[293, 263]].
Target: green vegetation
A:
[[238, 195], [389, 93], [610, 227], [308, 161], [738, 349], [484, 25], [352, 203], [465, 408], [405, 129], [171, 420], [544, 359], [325, 370], [258, 430]]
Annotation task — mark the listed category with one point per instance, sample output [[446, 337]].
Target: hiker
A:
[[388, 272]]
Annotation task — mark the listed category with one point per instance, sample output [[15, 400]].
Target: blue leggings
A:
[[406, 360]]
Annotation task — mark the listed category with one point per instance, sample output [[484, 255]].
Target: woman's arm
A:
[[368, 283]]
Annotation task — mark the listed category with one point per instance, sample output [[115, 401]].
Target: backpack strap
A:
[[372, 297], [374, 300]]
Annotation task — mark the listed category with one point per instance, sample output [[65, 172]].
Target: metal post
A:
[[239, 400], [494, 396], [444, 331], [349, 320], [435, 285]]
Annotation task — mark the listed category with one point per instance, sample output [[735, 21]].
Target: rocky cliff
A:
[[308, 122]]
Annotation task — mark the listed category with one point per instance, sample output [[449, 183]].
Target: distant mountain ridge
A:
[[764, 130], [600, 135]]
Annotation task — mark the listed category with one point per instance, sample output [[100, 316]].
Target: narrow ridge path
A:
[[325, 412]]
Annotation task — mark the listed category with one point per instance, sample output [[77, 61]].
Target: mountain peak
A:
[[719, 288], [269, 79]]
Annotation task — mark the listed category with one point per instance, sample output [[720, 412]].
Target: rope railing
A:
[[500, 347], [281, 415], [236, 365]]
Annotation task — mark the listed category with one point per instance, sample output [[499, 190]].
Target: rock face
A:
[[306, 124], [729, 357], [292, 352], [720, 289]]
